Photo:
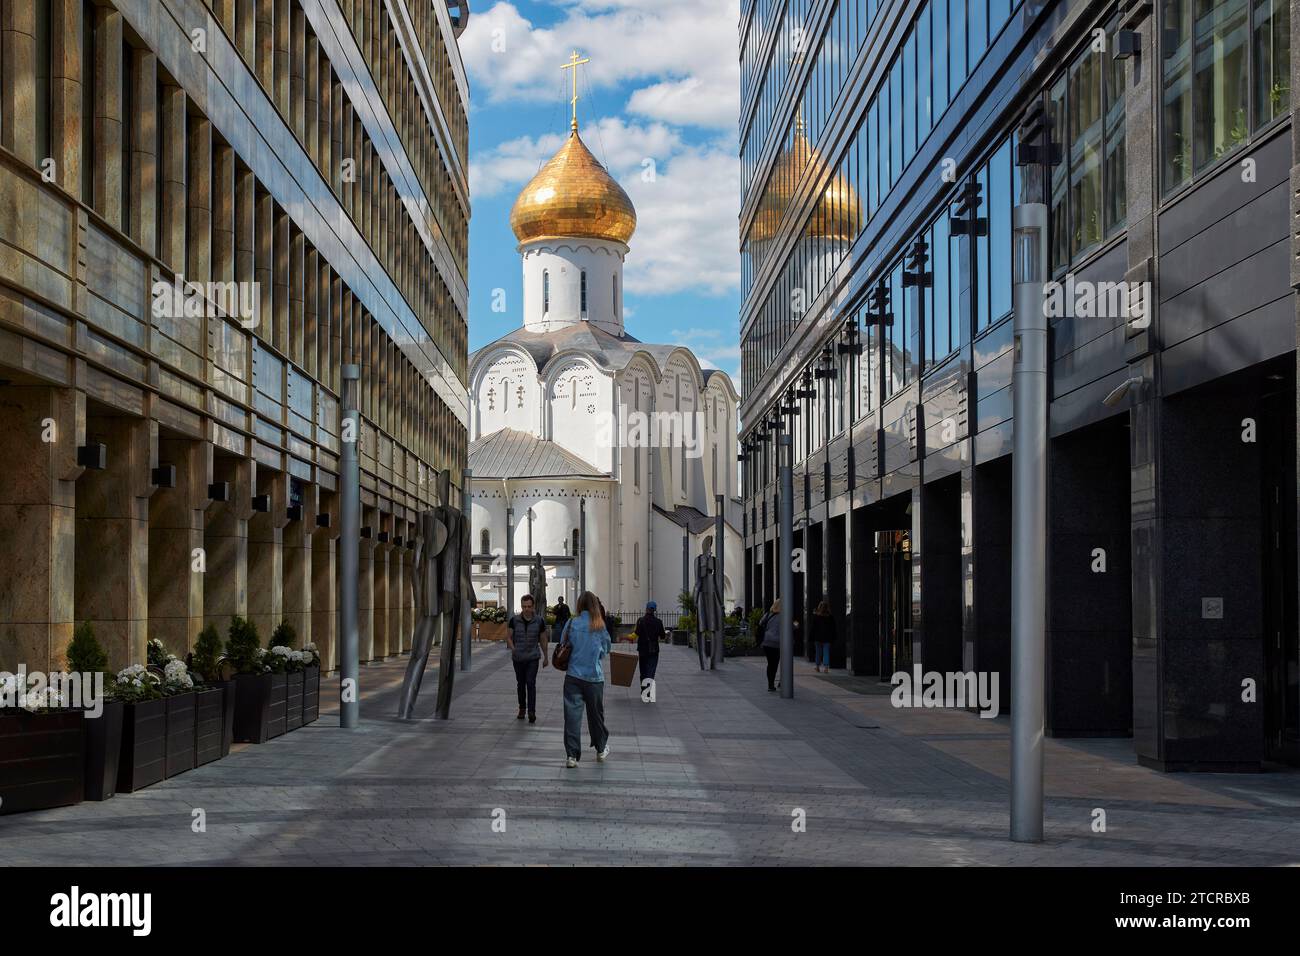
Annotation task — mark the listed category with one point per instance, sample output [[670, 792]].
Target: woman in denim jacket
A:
[[584, 684]]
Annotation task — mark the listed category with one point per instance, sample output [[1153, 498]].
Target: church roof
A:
[[607, 350], [507, 453]]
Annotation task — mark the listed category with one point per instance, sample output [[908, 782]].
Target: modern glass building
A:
[[882, 154], [207, 209]]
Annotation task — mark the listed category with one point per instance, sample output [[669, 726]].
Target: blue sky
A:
[[658, 107]]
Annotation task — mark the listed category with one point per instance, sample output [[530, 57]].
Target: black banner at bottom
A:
[[302, 905]]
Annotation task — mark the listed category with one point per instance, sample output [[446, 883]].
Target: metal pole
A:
[[784, 569], [349, 543], [466, 510], [686, 564], [1028, 523], [582, 546], [721, 579], [510, 559]]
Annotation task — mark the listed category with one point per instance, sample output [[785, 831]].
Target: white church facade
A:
[[576, 424]]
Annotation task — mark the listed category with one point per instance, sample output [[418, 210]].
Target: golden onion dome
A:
[[786, 174], [839, 213], [839, 210], [572, 196]]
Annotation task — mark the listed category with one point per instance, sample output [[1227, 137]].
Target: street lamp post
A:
[[1029, 487], [720, 538], [349, 543], [785, 447], [510, 559]]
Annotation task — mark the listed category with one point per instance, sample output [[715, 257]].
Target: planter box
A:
[[227, 715], [180, 734], [490, 630], [104, 750], [293, 701], [277, 719], [144, 745], [681, 639], [209, 725], [311, 695], [252, 707], [42, 760], [260, 701]]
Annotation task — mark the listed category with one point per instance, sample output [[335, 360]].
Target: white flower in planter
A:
[[47, 697], [176, 675]]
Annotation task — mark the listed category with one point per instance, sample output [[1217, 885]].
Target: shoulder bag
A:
[[560, 659]]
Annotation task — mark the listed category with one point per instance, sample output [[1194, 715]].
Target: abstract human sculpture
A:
[[442, 597], [537, 582], [708, 598]]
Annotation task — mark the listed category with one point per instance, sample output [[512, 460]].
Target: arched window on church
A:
[[485, 547], [546, 291], [583, 292]]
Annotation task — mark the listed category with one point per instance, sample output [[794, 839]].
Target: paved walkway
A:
[[715, 773]]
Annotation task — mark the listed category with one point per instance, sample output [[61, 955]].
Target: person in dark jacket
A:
[[526, 635], [649, 632], [823, 635], [562, 613], [769, 629]]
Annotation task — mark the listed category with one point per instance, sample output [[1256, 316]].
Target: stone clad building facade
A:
[[206, 210]]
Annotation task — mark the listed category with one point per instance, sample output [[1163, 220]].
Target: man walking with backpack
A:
[[526, 636]]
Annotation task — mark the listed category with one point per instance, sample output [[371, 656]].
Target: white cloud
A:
[[683, 51], [687, 233], [711, 348]]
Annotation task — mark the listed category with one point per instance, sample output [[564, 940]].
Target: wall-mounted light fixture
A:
[[1118, 393], [1127, 43]]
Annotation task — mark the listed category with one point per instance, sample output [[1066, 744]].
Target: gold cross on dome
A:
[[573, 64]]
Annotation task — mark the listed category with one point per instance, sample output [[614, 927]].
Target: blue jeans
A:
[[580, 694], [824, 655]]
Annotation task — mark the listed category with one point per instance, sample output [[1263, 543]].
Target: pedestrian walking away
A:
[[584, 684], [823, 635], [649, 633], [769, 627], [526, 636], [562, 613]]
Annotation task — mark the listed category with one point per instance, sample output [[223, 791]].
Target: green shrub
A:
[[242, 646], [206, 656], [283, 635], [155, 653], [85, 654]]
